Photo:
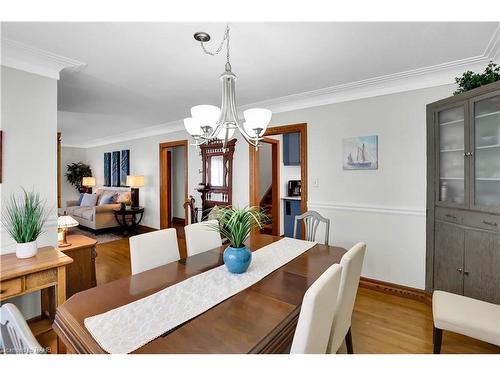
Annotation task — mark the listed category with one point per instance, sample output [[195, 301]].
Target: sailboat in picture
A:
[[366, 150]]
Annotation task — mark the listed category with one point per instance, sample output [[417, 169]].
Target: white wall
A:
[[386, 207], [69, 155], [178, 168], [144, 160], [29, 124], [265, 168]]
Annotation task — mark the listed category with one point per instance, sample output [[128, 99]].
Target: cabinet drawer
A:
[[451, 216], [41, 279], [10, 288], [483, 221]]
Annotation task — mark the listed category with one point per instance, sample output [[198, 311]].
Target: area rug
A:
[[100, 237]]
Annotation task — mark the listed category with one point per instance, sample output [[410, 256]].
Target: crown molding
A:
[[166, 128], [415, 79], [21, 56]]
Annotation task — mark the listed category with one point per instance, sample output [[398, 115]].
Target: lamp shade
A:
[[88, 181], [193, 126], [135, 181], [256, 118], [206, 114], [66, 222]]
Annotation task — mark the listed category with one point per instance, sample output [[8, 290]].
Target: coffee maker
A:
[[294, 188]]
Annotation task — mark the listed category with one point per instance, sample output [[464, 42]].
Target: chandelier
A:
[[211, 123]]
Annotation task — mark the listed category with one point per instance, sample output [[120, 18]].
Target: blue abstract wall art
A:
[[107, 169]]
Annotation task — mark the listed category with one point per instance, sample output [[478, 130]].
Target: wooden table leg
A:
[[61, 298], [61, 285]]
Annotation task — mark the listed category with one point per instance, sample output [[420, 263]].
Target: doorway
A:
[[173, 183], [282, 173], [266, 184]]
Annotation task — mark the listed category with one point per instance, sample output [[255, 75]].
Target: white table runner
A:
[[127, 328]]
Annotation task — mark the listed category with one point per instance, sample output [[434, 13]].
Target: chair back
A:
[[191, 210], [200, 237], [352, 263], [15, 333], [316, 314], [311, 223], [153, 249]]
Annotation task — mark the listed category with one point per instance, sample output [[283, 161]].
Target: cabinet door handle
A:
[[493, 224], [450, 216], [2, 291], [466, 273], [459, 270]]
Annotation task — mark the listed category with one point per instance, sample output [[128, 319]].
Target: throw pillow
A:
[[89, 200], [107, 200], [123, 197], [103, 195]]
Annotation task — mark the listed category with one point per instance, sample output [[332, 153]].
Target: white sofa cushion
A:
[[86, 213], [467, 316]]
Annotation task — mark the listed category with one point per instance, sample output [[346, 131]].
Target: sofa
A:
[[98, 216]]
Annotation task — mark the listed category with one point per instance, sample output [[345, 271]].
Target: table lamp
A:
[[88, 182], [65, 222], [135, 182]]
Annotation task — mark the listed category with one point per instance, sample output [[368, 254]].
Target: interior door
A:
[[482, 266], [449, 243], [485, 158], [452, 165]]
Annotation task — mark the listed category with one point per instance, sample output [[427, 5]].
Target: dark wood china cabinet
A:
[[217, 175]]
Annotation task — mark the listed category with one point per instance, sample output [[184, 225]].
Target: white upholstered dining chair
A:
[[153, 249], [16, 336], [352, 263], [316, 314], [200, 237]]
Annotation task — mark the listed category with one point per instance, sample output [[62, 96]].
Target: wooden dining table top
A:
[[259, 319]]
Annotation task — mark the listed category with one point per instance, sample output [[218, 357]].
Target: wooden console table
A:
[[45, 272], [80, 275]]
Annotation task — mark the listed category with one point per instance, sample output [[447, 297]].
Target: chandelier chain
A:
[[219, 49]]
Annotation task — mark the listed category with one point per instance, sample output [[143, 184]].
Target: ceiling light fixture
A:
[[211, 123]]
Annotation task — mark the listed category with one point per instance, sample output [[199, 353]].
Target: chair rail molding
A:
[[343, 206], [21, 56]]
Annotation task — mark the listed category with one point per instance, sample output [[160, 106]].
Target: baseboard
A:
[[395, 289]]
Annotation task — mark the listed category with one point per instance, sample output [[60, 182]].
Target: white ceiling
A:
[[144, 74]]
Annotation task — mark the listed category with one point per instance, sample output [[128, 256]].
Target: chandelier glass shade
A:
[[209, 122]]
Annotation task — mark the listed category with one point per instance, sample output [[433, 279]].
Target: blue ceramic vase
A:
[[237, 260]]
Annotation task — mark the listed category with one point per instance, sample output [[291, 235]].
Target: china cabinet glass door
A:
[[486, 161], [451, 189]]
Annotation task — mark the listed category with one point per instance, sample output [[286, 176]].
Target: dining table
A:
[[259, 319]]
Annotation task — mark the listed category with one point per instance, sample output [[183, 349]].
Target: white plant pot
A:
[[26, 250]]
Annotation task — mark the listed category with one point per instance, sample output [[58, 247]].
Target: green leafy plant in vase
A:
[[236, 224], [24, 218]]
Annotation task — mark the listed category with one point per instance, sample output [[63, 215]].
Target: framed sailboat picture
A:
[[360, 152]]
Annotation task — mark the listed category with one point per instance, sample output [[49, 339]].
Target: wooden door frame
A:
[[164, 204], [254, 168], [255, 199]]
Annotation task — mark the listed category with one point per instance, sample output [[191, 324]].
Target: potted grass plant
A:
[[24, 218], [235, 224]]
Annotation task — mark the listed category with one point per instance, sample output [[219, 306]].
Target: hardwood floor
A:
[[381, 323]]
